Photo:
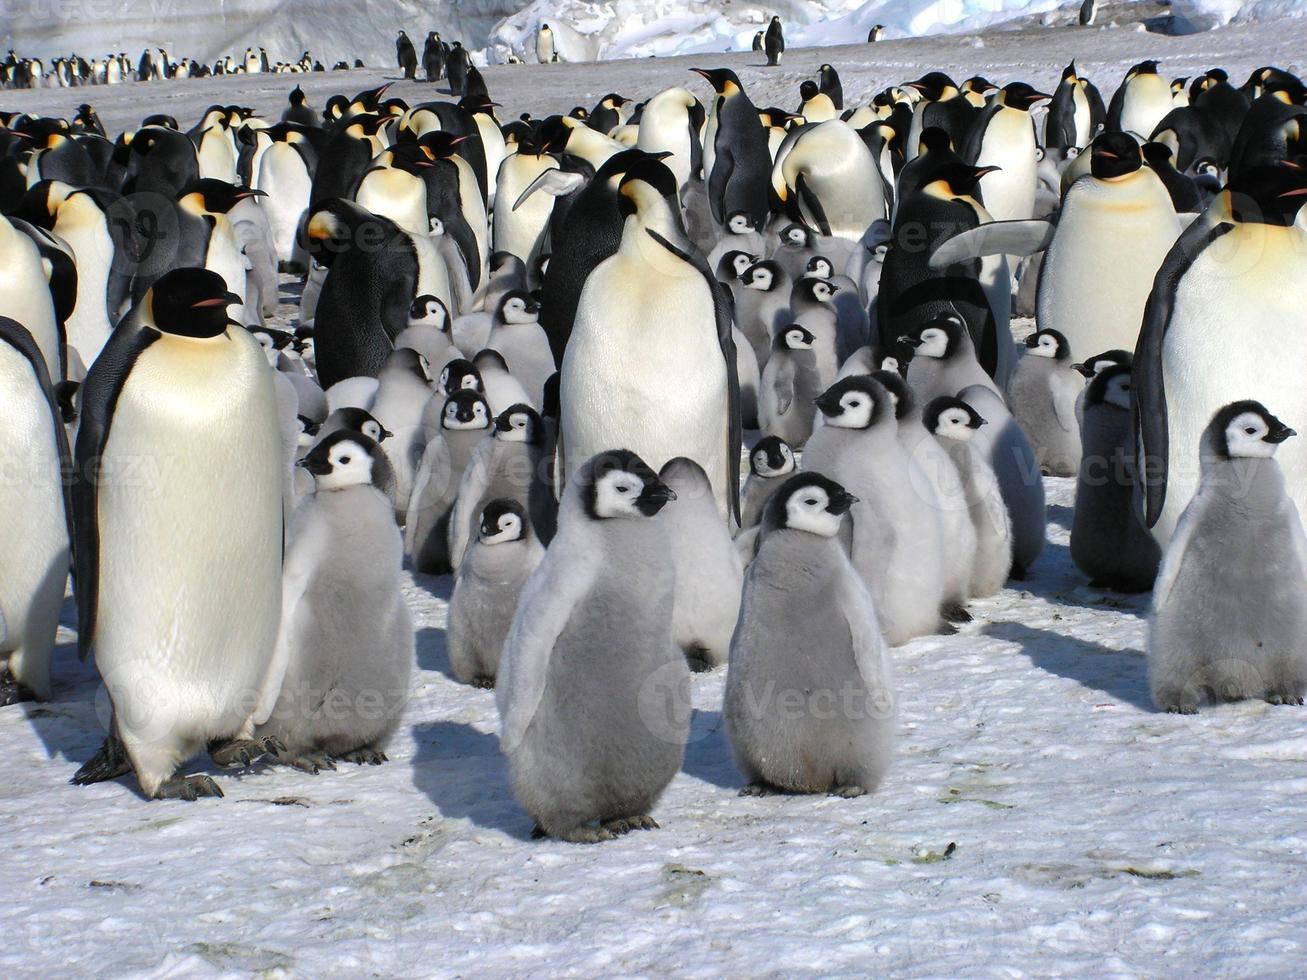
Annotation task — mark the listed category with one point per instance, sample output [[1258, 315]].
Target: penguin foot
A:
[[946, 628], [483, 683], [310, 762], [759, 788], [850, 792], [585, 835], [188, 788], [1017, 574], [698, 659], [11, 692], [538, 833], [1292, 700], [363, 757], [244, 751], [108, 763], [1182, 709], [625, 825], [955, 612]]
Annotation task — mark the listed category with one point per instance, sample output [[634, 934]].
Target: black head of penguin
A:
[[524, 419], [618, 483], [963, 179], [270, 338], [858, 395], [1096, 390], [652, 172], [1143, 68], [1047, 340], [723, 80], [811, 490], [1019, 95], [898, 389], [934, 85], [441, 144], [1092, 366], [1268, 195], [409, 361], [504, 515], [1261, 426], [934, 140], [190, 303], [460, 374], [361, 421], [160, 119], [1114, 155], [733, 264], [947, 324], [949, 403], [219, 196], [773, 450], [808, 90]]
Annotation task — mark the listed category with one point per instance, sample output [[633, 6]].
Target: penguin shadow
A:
[[708, 752], [1061, 515], [462, 772], [67, 724], [1120, 674], [433, 651]]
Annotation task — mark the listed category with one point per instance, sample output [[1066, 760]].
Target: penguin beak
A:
[[841, 502], [318, 467], [912, 342], [1279, 434], [386, 434], [1032, 341], [227, 299], [654, 497], [533, 307], [1082, 369], [980, 421], [827, 404]]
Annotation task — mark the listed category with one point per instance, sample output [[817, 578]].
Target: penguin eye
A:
[[344, 461], [1250, 430], [812, 501]]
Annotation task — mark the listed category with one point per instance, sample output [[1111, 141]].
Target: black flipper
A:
[[723, 166], [813, 204], [99, 397]]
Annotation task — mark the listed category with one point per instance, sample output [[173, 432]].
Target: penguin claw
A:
[[625, 825], [363, 757], [955, 612], [188, 788], [585, 835], [245, 751], [1181, 709], [312, 764], [12, 692], [757, 789], [850, 792], [483, 683], [1284, 700], [109, 762]]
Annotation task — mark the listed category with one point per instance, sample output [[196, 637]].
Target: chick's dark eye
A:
[[1250, 430], [344, 461], [811, 501]]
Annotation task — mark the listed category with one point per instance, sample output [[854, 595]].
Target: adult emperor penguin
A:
[[1002, 137], [1075, 113], [593, 692], [770, 463], [406, 57], [1088, 11], [672, 122], [285, 175], [345, 629], [433, 57], [545, 49], [1220, 323], [1042, 395], [832, 180], [1108, 541], [802, 593], [709, 574], [37, 535], [25, 294], [1228, 620], [739, 167], [486, 592], [651, 360], [773, 42], [1140, 102], [178, 666]]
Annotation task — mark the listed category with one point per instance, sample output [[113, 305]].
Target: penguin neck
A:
[[659, 220], [1253, 486]]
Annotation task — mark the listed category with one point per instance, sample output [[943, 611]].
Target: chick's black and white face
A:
[[461, 415], [809, 509], [1045, 346], [1117, 392], [798, 340], [738, 224], [519, 428], [819, 267], [518, 310], [856, 410], [1249, 436], [501, 528], [765, 466], [373, 430], [350, 465], [741, 264], [955, 424], [760, 278], [934, 343], [620, 493], [822, 291]]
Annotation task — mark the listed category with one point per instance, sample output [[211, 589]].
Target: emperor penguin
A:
[[773, 42], [1002, 136], [809, 626], [1220, 322], [345, 627], [651, 361], [953, 423], [672, 122], [406, 56], [520, 228], [1108, 540], [25, 294], [1228, 619], [1140, 102], [285, 175], [876, 33], [709, 574], [789, 388], [1088, 11], [593, 693], [433, 57], [770, 462], [943, 359], [487, 588], [1042, 394], [1075, 112], [179, 667], [1116, 226], [37, 534], [404, 387], [811, 304], [522, 342], [102, 249], [763, 305], [545, 49], [894, 532], [501, 388], [738, 168], [458, 421], [833, 180]]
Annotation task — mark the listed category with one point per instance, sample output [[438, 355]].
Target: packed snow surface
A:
[[1090, 834]]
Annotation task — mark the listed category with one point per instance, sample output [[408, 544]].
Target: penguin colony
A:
[[527, 353], [71, 71]]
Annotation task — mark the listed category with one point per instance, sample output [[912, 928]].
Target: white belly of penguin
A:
[[225, 258], [25, 297], [190, 558], [1147, 100], [1238, 330], [1099, 269], [287, 184], [644, 371], [1080, 108], [89, 325], [1009, 143]]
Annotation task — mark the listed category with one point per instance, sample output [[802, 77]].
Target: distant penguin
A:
[[1228, 621], [593, 739], [179, 684], [1088, 11], [876, 33], [801, 592], [1042, 396], [545, 47], [487, 588], [894, 533], [462, 420], [1140, 102], [1075, 112], [709, 575], [1108, 541], [406, 56], [789, 388], [1201, 347], [519, 338], [953, 423], [770, 463], [433, 58], [36, 537], [458, 66], [1006, 450], [738, 168], [345, 627], [774, 42]]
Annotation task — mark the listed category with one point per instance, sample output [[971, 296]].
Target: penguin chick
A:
[[404, 387], [709, 574], [893, 531], [771, 461], [460, 421], [458, 375], [763, 305], [522, 342], [1042, 395], [943, 359], [593, 693], [502, 389], [811, 307], [1108, 540], [339, 680], [486, 591], [953, 422], [1228, 620], [809, 704], [790, 384]]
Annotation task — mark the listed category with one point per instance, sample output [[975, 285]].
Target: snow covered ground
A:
[[1091, 835]]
